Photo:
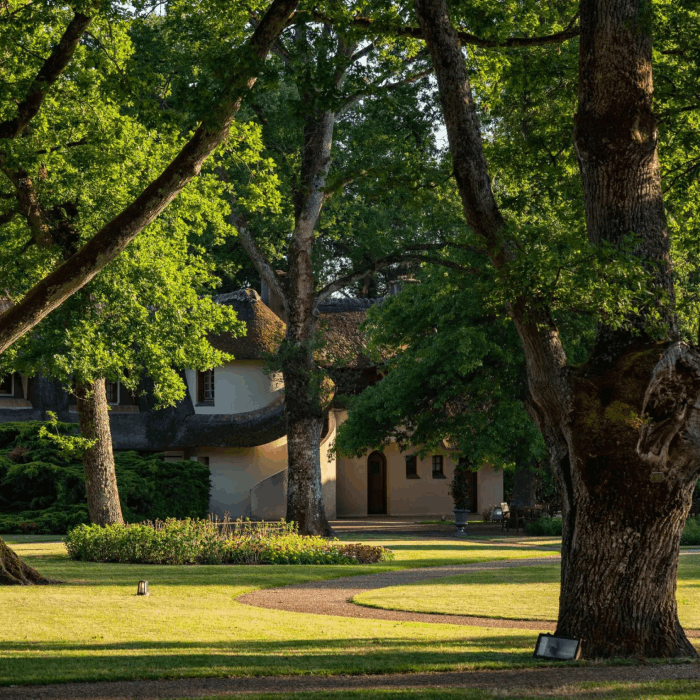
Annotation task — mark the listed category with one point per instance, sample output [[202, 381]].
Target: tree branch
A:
[[49, 72], [386, 261], [362, 52], [254, 253], [114, 236], [375, 27], [70, 144], [376, 87]]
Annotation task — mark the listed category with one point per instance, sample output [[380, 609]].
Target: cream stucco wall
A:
[[252, 482], [234, 471], [239, 387], [423, 496]]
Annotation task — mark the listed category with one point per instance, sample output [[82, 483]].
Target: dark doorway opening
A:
[[376, 484]]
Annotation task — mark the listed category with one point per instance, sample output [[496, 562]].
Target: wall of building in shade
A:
[[240, 434], [424, 494]]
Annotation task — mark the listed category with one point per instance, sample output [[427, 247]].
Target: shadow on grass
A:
[[89, 662], [244, 648]]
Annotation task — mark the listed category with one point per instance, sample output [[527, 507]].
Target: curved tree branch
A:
[[114, 236], [49, 72]]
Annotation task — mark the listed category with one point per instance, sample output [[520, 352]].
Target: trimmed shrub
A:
[[43, 492], [192, 541], [545, 527], [691, 532]]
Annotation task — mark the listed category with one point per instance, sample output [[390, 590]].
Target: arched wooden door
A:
[[376, 484]]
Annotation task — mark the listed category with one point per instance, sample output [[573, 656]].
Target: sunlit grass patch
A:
[[94, 627], [525, 593]]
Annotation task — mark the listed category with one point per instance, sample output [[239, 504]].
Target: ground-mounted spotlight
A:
[[142, 588], [557, 648]]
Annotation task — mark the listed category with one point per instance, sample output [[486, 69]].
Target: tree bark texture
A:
[[114, 236], [303, 401], [100, 475], [623, 431], [14, 572]]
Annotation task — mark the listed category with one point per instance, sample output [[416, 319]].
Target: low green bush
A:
[[544, 527], [193, 541], [43, 492], [691, 532]]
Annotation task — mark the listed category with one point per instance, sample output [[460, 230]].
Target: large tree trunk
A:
[[623, 431], [100, 476], [630, 475], [14, 572], [304, 417]]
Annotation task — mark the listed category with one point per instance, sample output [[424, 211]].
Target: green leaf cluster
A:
[[42, 489]]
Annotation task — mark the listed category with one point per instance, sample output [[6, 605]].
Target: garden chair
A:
[[511, 518]]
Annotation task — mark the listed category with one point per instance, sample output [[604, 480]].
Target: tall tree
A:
[[621, 429], [20, 114], [308, 126], [144, 319]]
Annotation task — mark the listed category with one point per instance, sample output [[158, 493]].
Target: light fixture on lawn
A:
[[143, 588], [557, 648]]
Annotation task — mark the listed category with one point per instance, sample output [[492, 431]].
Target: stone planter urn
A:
[[460, 519]]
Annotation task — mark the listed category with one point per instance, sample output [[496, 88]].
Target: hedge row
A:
[[552, 528], [194, 541], [43, 492]]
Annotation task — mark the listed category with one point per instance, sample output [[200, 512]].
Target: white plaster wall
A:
[[234, 471], [489, 487], [239, 387], [268, 498]]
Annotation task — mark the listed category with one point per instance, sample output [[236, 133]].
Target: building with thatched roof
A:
[[232, 419]]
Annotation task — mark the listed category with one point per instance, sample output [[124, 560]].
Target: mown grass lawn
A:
[[94, 627], [530, 593], [663, 690]]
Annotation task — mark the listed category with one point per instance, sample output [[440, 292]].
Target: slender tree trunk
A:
[[623, 431], [100, 475], [302, 382]]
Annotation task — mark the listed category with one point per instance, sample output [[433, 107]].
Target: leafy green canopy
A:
[[456, 373], [458, 369], [42, 491], [105, 131]]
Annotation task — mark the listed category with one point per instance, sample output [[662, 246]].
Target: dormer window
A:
[[112, 391], [7, 386], [205, 386]]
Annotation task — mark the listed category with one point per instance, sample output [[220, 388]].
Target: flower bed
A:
[[202, 542]]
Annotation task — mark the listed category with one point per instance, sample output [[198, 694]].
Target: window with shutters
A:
[[205, 386]]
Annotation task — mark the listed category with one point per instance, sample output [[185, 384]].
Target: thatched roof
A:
[[339, 322], [265, 329]]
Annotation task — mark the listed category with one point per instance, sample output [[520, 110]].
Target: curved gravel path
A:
[[334, 596]]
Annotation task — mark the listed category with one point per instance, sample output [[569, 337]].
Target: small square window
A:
[[205, 386], [438, 467], [412, 467]]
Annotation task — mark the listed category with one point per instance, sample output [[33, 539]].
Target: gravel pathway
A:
[[545, 682], [334, 597]]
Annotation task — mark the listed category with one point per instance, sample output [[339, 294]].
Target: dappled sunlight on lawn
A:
[[525, 593]]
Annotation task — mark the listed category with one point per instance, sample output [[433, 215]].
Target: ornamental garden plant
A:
[[198, 541]]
